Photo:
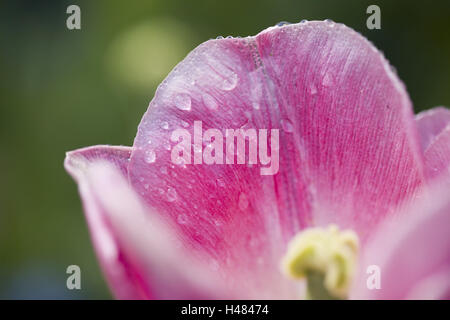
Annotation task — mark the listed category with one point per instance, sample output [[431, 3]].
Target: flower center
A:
[[326, 257]]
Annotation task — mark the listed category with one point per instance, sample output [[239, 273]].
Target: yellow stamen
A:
[[326, 258]]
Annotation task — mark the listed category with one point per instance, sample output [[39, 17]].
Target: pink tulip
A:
[[351, 154]]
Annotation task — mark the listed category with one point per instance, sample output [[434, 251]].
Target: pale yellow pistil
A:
[[326, 257]]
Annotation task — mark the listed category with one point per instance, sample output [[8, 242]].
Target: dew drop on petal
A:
[[182, 219], [171, 195], [312, 89], [287, 125], [243, 201], [163, 170], [197, 148], [184, 124], [328, 80], [165, 125], [150, 156], [230, 82], [329, 22], [220, 182], [394, 70], [282, 23], [167, 146], [183, 101], [209, 102]]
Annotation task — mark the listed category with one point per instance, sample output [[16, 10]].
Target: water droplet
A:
[[243, 201], [149, 141], [197, 148], [209, 102], [219, 37], [220, 182], [146, 186], [312, 89], [180, 162], [282, 23], [255, 105], [303, 21], [167, 146], [328, 80], [329, 22], [171, 195], [150, 156], [182, 219], [229, 37], [247, 125], [183, 101], [287, 125], [230, 82], [165, 125], [393, 69], [184, 124], [163, 170]]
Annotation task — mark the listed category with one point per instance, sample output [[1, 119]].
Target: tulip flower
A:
[[362, 183]]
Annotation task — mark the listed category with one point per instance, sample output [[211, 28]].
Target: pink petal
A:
[[431, 123], [349, 150], [137, 254], [122, 279], [412, 251], [437, 155]]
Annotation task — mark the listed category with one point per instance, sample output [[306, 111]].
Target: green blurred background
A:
[[61, 90]]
